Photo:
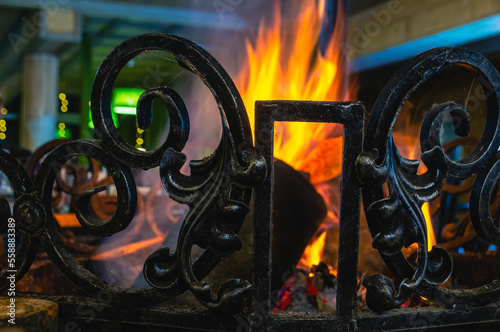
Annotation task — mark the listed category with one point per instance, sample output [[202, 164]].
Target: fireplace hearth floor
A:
[[87, 313]]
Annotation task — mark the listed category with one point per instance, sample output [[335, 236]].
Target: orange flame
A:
[[312, 254], [285, 63], [127, 249], [431, 238]]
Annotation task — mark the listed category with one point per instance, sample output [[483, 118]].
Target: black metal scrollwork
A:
[[397, 221], [217, 192], [219, 188], [23, 188]]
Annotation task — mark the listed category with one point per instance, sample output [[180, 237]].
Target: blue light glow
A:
[[492, 247], [461, 250], [468, 33]]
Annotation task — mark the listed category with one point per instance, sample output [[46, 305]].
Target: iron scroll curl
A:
[[219, 187], [397, 221]]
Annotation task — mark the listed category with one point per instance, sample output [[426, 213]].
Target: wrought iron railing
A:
[[219, 190]]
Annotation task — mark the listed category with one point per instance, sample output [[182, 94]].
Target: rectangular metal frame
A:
[[351, 116]]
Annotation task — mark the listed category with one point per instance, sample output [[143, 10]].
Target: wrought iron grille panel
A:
[[220, 187]]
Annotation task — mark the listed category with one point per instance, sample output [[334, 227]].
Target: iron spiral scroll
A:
[[218, 190], [397, 221]]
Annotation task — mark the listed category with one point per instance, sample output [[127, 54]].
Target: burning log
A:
[[297, 213]]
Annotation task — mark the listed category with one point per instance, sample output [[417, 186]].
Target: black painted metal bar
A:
[[349, 212], [263, 217]]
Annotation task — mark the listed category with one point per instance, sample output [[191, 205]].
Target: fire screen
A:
[[219, 189]]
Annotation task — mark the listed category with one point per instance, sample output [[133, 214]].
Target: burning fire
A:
[[431, 238], [126, 249], [285, 63], [312, 254]]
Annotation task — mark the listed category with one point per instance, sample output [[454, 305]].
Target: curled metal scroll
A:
[[397, 221], [218, 190]]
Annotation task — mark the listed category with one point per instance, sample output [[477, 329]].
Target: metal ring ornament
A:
[[126, 205], [397, 221], [481, 197]]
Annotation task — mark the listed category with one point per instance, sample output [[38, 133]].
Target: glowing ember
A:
[[67, 220]]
